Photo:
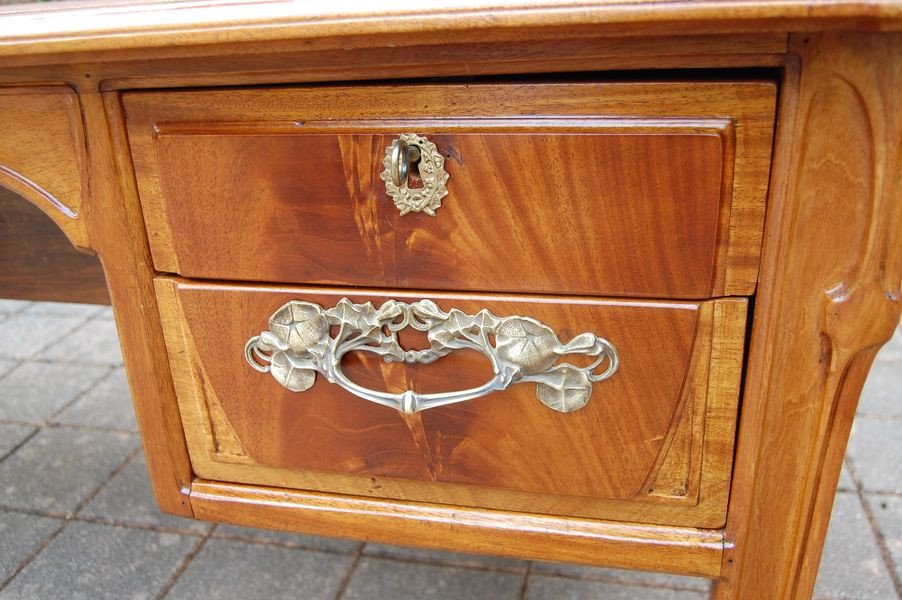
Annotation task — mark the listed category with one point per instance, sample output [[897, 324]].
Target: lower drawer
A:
[[652, 443]]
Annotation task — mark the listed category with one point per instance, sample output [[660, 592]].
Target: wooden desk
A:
[[93, 96]]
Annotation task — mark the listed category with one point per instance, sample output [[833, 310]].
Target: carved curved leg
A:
[[829, 297]]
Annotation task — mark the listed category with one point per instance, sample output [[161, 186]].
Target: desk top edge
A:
[[102, 26]]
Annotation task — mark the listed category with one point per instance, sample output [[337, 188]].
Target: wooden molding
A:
[[294, 61], [625, 545], [97, 27]]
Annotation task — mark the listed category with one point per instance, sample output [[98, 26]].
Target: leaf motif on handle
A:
[[300, 343]]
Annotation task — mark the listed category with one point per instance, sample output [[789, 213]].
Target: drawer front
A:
[[652, 444], [650, 190]]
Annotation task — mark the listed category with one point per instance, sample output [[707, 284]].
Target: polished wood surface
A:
[[66, 153], [294, 61], [640, 442], [75, 31], [830, 273], [48, 169], [37, 261], [588, 541], [829, 298], [559, 206], [113, 216], [557, 184]]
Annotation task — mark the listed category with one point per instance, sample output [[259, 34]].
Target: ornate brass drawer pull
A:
[[408, 150], [299, 344]]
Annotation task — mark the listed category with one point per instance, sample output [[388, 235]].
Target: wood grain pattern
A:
[[505, 450], [559, 207], [829, 298], [113, 216], [625, 545], [270, 186], [37, 261], [293, 61], [45, 168], [830, 287], [71, 33]]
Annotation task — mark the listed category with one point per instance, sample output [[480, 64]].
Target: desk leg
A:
[[116, 229], [829, 297]]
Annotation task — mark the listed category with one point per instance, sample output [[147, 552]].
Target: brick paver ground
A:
[[77, 519]]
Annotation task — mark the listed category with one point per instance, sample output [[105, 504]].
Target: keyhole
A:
[[414, 181]]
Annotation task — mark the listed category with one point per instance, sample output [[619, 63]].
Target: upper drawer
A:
[[639, 189]]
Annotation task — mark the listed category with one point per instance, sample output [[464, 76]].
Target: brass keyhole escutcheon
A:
[[407, 150]]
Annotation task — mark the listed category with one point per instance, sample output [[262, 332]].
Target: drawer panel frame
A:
[[687, 486]]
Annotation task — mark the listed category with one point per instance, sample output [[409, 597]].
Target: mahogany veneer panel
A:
[[650, 190], [654, 442]]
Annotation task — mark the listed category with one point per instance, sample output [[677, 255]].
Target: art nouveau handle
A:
[[407, 149], [300, 344]]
